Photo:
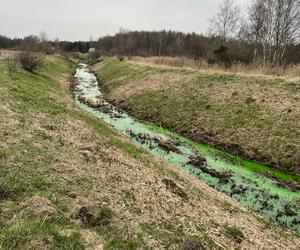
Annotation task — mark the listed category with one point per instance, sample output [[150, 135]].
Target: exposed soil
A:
[[290, 184], [169, 145], [85, 216], [174, 188], [197, 161], [200, 162], [53, 141], [94, 217], [5, 193], [192, 245]]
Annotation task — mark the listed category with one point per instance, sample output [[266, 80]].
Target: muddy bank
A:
[[252, 154], [227, 173], [251, 117]]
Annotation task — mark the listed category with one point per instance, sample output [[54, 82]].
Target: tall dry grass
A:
[[290, 71], [8, 53]]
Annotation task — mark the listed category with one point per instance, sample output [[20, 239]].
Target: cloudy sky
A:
[[81, 19]]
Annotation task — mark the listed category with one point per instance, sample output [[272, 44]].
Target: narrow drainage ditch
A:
[[271, 192]]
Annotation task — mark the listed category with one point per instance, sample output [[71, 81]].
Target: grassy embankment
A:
[[255, 117], [67, 181]]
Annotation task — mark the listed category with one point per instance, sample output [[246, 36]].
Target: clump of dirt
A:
[[100, 105], [201, 163], [237, 189], [81, 99], [192, 245], [169, 145], [197, 161], [105, 109], [91, 102], [174, 188], [87, 216], [144, 136], [72, 83], [249, 100], [294, 186], [40, 205], [234, 233], [71, 194], [223, 176], [287, 211], [86, 153], [121, 58], [5, 193]]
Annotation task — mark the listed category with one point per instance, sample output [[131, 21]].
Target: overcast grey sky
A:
[[79, 19]]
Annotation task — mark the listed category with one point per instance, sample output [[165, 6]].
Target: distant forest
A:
[[268, 34], [152, 43]]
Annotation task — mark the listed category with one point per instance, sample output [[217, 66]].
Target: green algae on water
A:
[[271, 192]]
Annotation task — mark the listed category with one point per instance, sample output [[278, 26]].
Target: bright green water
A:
[[248, 184]]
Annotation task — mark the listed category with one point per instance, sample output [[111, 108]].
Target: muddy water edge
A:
[[271, 192]]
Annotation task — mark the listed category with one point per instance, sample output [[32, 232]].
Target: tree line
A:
[[267, 34]]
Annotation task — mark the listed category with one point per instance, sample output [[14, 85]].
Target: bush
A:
[[30, 61], [95, 55], [121, 58], [11, 63], [223, 56]]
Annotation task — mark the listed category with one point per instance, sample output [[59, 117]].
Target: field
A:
[[239, 68], [67, 181], [252, 116]]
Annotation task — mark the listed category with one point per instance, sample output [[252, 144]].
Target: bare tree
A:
[[225, 23], [30, 43], [273, 26], [43, 36]]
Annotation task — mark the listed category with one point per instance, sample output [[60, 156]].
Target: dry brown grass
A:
[[8, 53], [116, 175], [290, 71], [260, 114], [154, 82], [93, 171]]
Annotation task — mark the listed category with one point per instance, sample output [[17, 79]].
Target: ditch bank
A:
[[271, 192], [251, 116]]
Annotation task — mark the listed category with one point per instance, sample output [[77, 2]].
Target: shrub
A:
[[95, 55], [223, 56], [121, 58], [30, 61], [11, 63]]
